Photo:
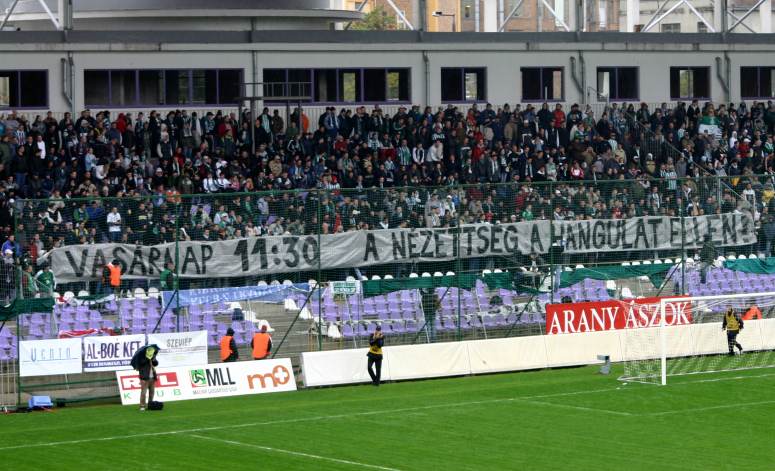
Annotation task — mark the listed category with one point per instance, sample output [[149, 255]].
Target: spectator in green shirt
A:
[[45, 280], [167, 277]]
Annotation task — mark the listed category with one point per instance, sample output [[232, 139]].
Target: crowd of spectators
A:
[[127, 178]]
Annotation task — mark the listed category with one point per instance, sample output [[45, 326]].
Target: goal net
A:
[[685, 337]]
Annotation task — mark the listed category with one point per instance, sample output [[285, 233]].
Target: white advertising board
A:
[[181, 348], [50, 357], [110, 353], [215, 380]]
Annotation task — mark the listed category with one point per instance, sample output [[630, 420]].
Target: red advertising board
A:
[[599, 316]]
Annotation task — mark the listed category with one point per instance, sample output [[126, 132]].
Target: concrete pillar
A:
[[65, 14], [633, 15], [720, 16], [765, 16], [490, 16], [573, 14]]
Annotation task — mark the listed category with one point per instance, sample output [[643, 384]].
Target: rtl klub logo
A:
[[167, 385]]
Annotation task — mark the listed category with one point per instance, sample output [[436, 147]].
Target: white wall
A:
[[525, 353], [503, 66]]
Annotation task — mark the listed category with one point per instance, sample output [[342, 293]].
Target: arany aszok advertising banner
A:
[[599, 316], [49, 357], [110, 353], [216, 380], [282, 254], [181, 348]]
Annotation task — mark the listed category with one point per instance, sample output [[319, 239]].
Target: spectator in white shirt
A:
[[418, 154], [41, 146], [435, 153], [114, 225]]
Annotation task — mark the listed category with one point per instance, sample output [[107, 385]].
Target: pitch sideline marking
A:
[[357, 414], [302, 419], [293, 453]]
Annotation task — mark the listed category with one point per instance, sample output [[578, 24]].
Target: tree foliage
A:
[[378, 19]]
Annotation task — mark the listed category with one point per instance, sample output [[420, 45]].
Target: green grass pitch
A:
[[567, 419]]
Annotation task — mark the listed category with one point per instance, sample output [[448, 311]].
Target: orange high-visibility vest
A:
[[226, 350], [260, 345], [753, 313], [115, 275]]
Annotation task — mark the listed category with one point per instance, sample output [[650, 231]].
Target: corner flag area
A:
[[552, 419]]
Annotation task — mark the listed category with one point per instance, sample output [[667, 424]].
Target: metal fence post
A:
[[458, 268], [682, 214], [320, 268], [176, 275]]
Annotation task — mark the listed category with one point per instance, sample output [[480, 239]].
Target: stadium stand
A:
[[367, 170]]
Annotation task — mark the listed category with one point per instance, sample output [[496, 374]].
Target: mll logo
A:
[[198, 378], [211, 377]]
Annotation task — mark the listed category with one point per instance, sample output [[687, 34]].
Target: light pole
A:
[[439, 14]]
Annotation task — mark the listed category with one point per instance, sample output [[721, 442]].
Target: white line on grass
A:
[[294, 453], [304, 419], [701, 409], [581, 408]]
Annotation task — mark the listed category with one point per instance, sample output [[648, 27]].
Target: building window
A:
[[670, 27], [702, 27], [463, 84], [542, 83], [757, 82], [618, 83], [689, 82], [162, 87], [23, 89], [337, 85]]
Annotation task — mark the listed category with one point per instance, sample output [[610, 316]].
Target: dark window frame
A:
[[543, 97], [615, 80], [759, 95], [338, 71], [694, 96], [18, 90], [138, 96], [463, 71]]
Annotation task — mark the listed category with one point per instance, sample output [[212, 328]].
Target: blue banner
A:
[[269, 294]]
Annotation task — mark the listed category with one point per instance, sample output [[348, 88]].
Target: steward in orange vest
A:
[[261, 344], [229, 347], [752, 313], [111, 275]]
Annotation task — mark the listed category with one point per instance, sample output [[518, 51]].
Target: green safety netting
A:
[[24, 306], [507, 280], [752, 265], [655, 272]]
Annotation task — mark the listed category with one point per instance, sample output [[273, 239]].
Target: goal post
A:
[[689, 339]]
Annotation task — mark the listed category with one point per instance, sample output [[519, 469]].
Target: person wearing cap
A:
[[374, 364], [229, 351], [145, 362], [261, 344]]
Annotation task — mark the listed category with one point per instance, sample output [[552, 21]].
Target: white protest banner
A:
[[181, 348], [280, 254], [50, 357], [216, 380], [110, 353]]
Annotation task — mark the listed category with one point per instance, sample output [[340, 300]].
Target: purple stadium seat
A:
[[398, 327], [347, 331]]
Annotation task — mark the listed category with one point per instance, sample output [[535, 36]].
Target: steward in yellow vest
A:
[[733, 324]]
